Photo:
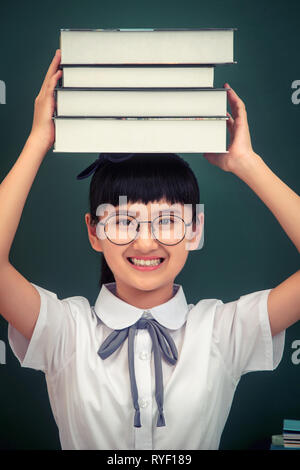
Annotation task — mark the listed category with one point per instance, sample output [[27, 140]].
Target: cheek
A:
[[179, 256], [112, 255]]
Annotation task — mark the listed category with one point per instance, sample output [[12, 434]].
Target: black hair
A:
[[142, 178]]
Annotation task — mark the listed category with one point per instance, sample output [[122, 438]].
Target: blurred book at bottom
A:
[[277, 442], [290, 438], [147, 135], [291, 433]]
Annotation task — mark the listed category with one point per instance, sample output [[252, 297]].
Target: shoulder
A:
[[202, 313], [75, 305], [204, 305], [239, 309]]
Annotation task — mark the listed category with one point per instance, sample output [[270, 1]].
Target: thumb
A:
[[217, 159], [210, 157]]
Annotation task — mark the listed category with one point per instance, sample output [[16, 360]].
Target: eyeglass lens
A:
[[122, 229]]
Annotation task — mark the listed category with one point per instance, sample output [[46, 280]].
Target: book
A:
[[291, 425], [276, 447], [277, 440], [153, 135], [148, 102], [144, 76], [158, 111], [291, 433], [147, 46]]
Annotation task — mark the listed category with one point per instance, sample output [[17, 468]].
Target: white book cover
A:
[[137, 76], [142, 46], [154, 135], [136, 102]]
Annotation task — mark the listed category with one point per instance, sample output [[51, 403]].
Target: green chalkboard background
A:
[[245, 249]]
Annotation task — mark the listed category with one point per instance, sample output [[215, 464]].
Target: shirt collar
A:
[[117, 314]]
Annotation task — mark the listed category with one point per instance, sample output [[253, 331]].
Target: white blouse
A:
[[91, 398]]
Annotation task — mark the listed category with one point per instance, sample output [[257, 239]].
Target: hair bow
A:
[[115, 158]]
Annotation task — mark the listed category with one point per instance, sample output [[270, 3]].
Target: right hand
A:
[[43, 129]]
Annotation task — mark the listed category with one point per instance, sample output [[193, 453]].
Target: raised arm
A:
[[19, 300], [283, 202]]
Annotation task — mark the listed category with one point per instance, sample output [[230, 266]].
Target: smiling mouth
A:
[[146, 262]]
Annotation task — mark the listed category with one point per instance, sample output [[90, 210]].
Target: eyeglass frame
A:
[[152, 231]]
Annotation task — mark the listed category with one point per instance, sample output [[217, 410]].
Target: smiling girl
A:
[[142, 368]]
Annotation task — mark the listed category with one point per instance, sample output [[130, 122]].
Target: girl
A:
[[106, 388]]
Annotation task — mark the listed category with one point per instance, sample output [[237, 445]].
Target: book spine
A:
[[138, 118], [144, 65], [150, 29], [162, 89], [170, 64]]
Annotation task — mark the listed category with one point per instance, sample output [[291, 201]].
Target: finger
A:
[[213, 157], [234, 96], [237, 106], [230, 120], [230, 127], [53, 66], [53, 81], [210, 157]]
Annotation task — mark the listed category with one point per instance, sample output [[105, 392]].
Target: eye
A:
[[124, 221], [166, 220]]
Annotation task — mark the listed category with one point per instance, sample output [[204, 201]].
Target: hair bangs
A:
[[144, 178]]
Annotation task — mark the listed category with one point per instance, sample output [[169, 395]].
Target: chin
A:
[[145, 285]]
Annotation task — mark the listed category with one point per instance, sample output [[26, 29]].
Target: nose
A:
[[145, 240]]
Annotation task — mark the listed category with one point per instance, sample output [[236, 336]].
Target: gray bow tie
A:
[[162, 344]]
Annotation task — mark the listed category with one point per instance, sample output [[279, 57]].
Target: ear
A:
[[195, 234], [95, 242]]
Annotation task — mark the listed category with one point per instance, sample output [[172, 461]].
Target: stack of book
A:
[[277, 442], [291, 433], [142, 90]]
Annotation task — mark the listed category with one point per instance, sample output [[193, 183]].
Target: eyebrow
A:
[[161, 211], [133, 213]]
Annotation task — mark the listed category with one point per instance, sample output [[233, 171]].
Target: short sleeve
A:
[[53, 339], [243, 336]]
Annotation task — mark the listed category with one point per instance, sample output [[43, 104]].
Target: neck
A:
[[142, 298]]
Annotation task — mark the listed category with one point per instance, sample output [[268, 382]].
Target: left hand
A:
[[43, 129], [240, 141]]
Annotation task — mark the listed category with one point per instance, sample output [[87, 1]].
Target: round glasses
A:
[[123, 229]]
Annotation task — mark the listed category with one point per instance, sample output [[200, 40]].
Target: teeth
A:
[[140, 262]]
